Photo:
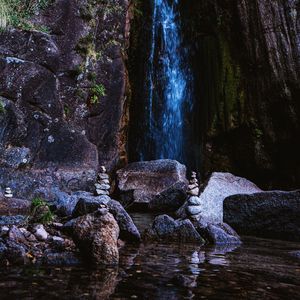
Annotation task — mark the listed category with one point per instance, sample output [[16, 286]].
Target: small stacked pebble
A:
[[193, 204], [102, 185], [8, 193], [193, 188]]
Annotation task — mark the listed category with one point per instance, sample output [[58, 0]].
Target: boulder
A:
[[14, 206], [166, 229], [273, 214], [219, 234], [218, 187], [170, 199], [128, 230], [140, 182], [97, 238], [88, 204]]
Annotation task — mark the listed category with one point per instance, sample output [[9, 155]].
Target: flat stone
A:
[[194, 192], [102, 186], [193, 210], [101, 192], [103, 176], [194, 201]]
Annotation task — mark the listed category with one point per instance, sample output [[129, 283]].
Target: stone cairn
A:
[[102, 185], [8, 193], [193, 205], [193, 187]]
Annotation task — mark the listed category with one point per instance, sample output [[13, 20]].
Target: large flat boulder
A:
[[14, 206], [273, 214], [219, 187], [140, 182]]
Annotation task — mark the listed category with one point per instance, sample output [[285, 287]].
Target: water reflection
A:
[[257, 270]]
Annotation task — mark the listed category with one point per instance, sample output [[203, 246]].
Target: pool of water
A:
[[259, 269]]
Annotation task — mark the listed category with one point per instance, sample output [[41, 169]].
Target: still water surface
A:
[[259, 269]]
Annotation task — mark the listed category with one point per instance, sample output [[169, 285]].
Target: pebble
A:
[[40, 233], [101, 192], [4, 230], [193, 210], [194, 201]]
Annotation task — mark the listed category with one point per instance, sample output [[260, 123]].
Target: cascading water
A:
[[168, 84]]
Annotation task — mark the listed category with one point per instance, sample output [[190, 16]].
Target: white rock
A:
[[4, 230], [57, 239], [194, 210], [102, 186], [40, 233], [101, 192], [194, 201], [194, 192]]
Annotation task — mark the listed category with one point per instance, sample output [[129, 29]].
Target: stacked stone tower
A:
[[193, 188], [102, 185]]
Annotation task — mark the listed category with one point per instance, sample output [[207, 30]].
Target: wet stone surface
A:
[[258, 269]]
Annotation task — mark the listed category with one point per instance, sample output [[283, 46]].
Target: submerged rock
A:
[[128, 230], [97, 237], [219, 234], [273, 214], [166, 229], [140, 182], [60, 258]]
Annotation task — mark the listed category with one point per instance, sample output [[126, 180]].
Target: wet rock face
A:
[[96, 236], [140, 182], [47, 81], [272, 214]]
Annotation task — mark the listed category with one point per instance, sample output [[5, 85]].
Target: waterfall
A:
[[168, 84]]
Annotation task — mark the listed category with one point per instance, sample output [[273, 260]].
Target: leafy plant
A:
[[98, 91], [2, 108], [40, 211]]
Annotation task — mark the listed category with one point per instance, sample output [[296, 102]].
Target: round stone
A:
[[193, 210]]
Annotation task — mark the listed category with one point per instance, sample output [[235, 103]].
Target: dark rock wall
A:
[[246, 64], [63, 91]]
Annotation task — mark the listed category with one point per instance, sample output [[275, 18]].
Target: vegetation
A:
[[40, 211], [2, 108], [18, 12], [98, 91]]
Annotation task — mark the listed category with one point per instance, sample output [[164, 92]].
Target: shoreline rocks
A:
[[273, 214], [166, 229]]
